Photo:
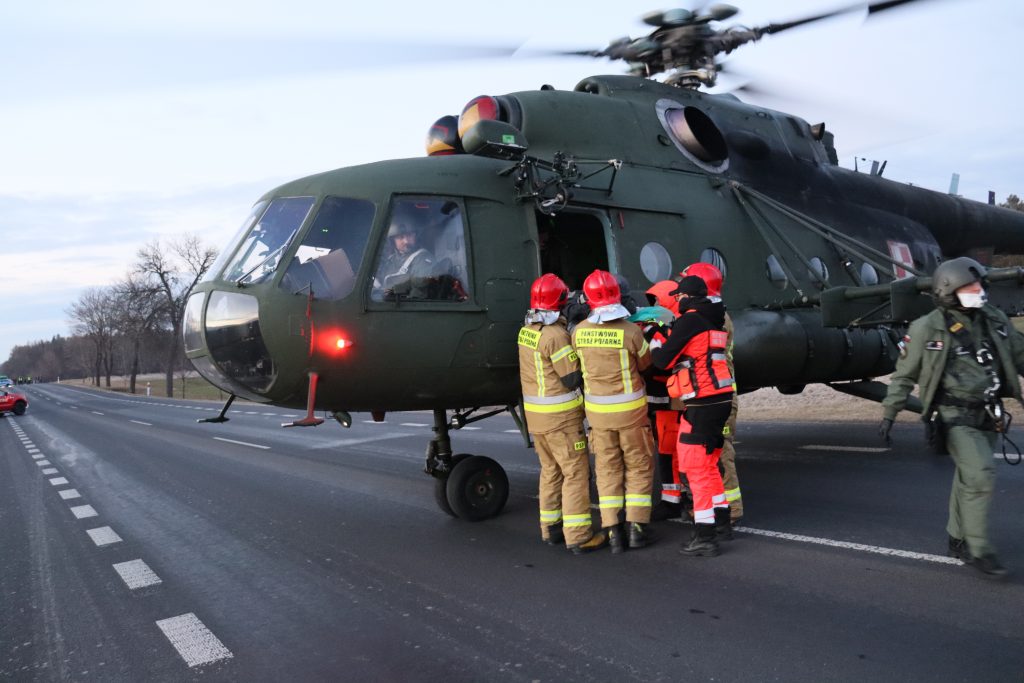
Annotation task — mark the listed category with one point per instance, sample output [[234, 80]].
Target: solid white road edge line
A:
[[194, 642], [861, 547], [845, 449]]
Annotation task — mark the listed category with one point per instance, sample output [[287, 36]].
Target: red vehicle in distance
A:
[[12, 402]]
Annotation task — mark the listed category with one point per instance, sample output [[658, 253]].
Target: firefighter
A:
[[695, 353], [656, 323], [712, 277], [966, 357], [613, 354], [549, 371]]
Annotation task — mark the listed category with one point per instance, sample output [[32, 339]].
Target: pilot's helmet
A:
[[399, 228], [951, 275]]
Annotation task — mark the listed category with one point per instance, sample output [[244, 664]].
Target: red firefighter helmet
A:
[[660, 294], [548, 293], [707, 272], [602, 289]]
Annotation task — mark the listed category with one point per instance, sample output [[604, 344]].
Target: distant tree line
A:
[[130, 327]]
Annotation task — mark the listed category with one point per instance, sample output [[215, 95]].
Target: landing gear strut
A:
[[470, 487]]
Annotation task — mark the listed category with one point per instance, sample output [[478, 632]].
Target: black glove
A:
[[884, 427]]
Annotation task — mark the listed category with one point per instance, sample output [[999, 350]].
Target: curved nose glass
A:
[[235, 341]]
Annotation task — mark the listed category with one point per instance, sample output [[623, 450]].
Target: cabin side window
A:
[[423, 254], [327, 260]]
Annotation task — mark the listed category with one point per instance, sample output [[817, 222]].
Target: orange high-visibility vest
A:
[[701, 369]]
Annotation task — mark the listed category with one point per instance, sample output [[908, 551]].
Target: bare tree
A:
[[93, 316], [141, 306], [174, 270]]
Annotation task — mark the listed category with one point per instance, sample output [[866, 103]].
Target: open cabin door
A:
[[572, 245]]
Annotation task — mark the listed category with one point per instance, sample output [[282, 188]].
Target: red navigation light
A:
[[483, 108], [333, 342]]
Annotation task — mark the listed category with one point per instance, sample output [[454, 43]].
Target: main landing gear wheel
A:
[[441, 486], [477, 488]]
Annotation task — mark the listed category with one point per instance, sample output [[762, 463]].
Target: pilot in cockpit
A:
[[405, 268]]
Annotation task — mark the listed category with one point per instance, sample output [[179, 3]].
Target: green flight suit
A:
[[953, 382]]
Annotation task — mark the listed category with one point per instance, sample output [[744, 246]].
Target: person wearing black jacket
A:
[[695, 354]]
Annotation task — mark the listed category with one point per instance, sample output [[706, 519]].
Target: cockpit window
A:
[[328, 259], [423, 257], [243, 230], [259, 253]]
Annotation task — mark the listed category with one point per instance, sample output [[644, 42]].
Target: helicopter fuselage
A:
[[677, 176]]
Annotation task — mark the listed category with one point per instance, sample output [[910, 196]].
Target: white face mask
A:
[[972, 299]]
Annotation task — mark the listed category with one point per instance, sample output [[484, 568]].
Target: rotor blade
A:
[[872, 8]]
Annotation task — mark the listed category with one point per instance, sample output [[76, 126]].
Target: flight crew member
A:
[[613, 354], [712, 277], [966, 356], [406, 268], [695, 354], [664, 418], [549, 371]]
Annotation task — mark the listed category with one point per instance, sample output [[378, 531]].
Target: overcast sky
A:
[[121, 123]]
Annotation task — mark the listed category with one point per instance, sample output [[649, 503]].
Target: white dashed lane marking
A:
[[68, 494], [43, 463], [137, 574], [194, 642], [103, 535], [241, 443], [58, 481], [96, 412], [84, 511], [139, 422], [51, 470], [413, 424]]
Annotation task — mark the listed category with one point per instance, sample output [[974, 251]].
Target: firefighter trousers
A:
[[727, 464], [564, 491], [624, 464]]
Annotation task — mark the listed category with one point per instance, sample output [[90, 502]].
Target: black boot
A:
[[958, 549], [723, 525], [638, 535], [596, 541], [616, 539], [664, 510], [555, 535], [703, 543], [989, 565]]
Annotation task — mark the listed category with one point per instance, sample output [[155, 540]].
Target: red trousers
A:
[[701, 470]]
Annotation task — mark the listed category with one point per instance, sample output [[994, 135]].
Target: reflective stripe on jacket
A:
[[545, 356]]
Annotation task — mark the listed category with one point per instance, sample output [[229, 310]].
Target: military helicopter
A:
[[401, 284]]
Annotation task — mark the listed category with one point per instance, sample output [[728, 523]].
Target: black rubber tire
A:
[[477, 488], [441, 486], [19, 408]]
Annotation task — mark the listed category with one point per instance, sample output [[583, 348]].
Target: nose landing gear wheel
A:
[[441, 486], [477, 488]]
